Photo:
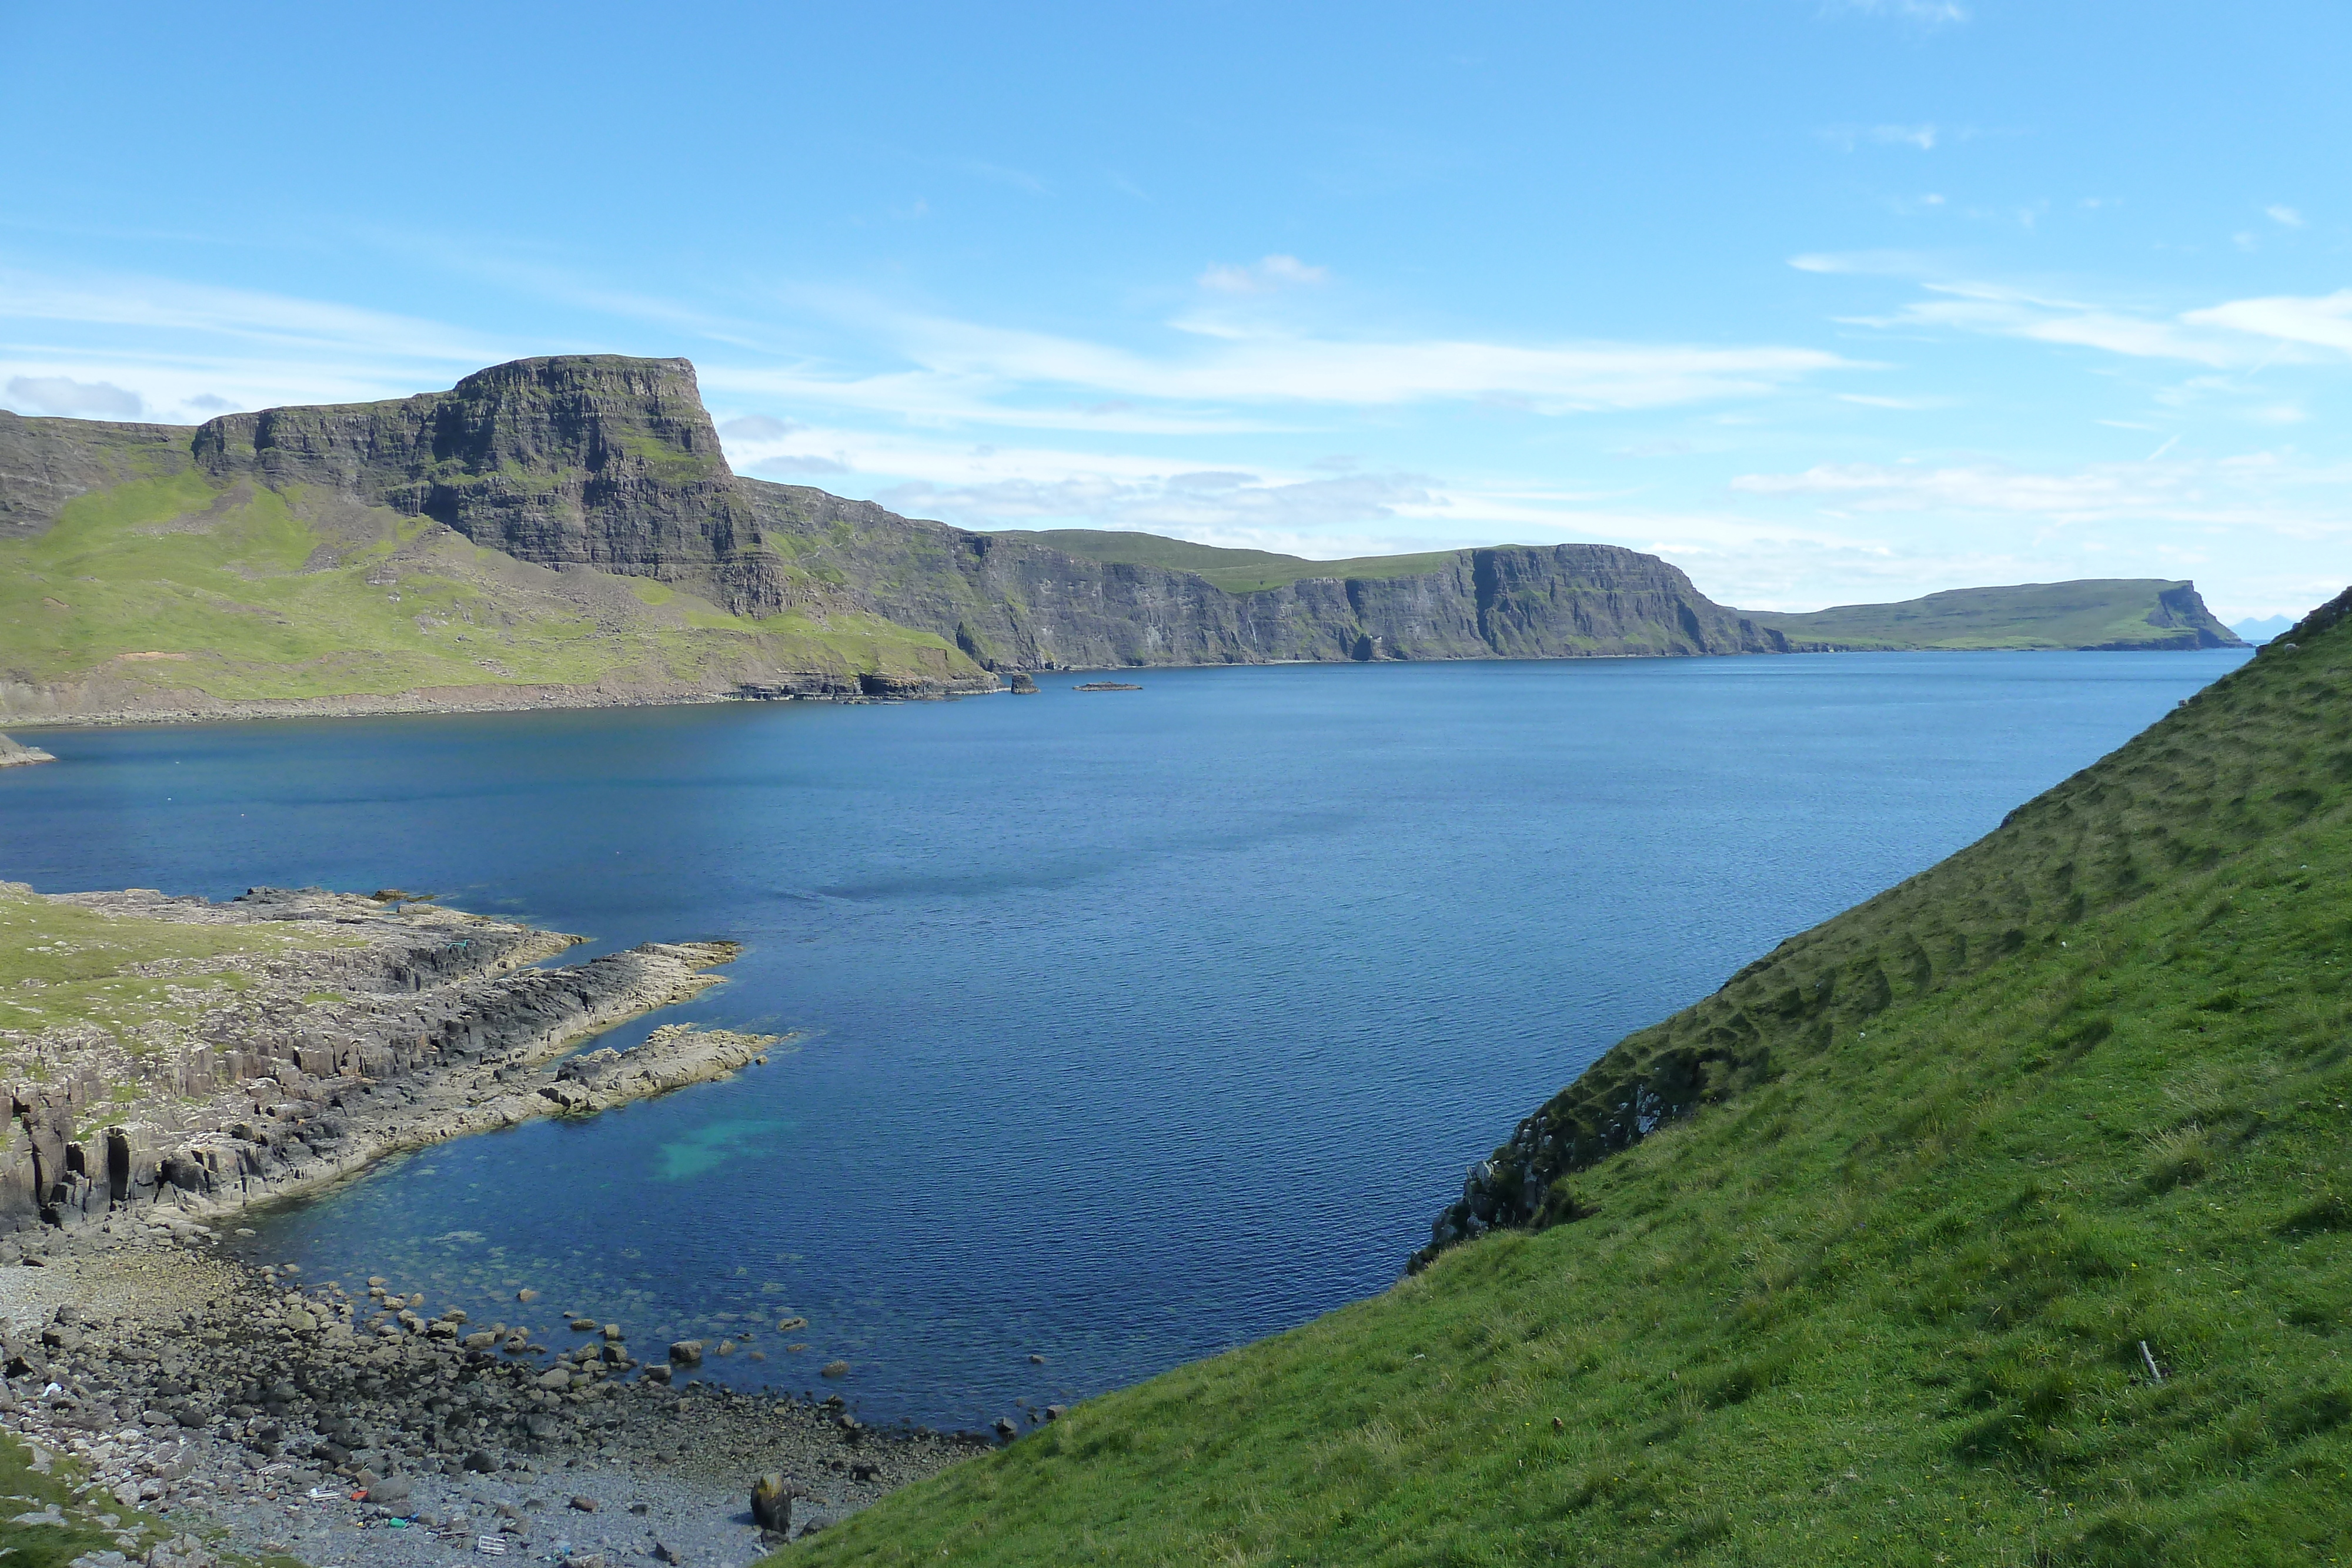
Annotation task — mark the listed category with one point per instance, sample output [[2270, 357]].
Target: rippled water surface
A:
[[1133, 1025]]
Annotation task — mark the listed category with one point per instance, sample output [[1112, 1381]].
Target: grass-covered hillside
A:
[[1234, 570], [2125, 613], [180, 588], [1878, 1293]]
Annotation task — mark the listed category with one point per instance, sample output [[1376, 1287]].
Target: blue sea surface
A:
[[1130, 1026]]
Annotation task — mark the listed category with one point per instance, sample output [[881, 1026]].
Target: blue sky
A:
[[1824, 300]]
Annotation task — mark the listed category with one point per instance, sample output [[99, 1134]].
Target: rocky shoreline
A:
[[44, 707], [341, 1422], [176, 1060]]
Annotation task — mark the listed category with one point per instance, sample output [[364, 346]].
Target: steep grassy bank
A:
[[1854, 1262]]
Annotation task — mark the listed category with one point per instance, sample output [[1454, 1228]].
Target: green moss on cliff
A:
[[1879, 1294]]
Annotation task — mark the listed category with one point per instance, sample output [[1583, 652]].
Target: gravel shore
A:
[[343, 1424]]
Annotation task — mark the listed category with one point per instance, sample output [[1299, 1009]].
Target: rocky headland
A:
[[171, 1061], [567, 532]]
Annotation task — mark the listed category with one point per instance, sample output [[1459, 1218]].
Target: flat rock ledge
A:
[[16, 754], [386, 1025]]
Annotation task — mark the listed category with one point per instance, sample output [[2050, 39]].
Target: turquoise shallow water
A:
[[1132, 1025]]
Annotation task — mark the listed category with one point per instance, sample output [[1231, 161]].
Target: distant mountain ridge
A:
[[568, 530]]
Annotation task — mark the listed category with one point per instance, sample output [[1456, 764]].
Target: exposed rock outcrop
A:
[[584, 460], [1012, 604], [602, 461], [413, 1025], [16, 754]]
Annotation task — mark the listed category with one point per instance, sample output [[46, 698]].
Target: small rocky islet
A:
[[173, 1061]]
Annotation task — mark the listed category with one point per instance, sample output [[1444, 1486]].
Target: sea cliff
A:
[[567, 531]]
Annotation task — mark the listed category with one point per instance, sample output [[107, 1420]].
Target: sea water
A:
[[1127, 1026]]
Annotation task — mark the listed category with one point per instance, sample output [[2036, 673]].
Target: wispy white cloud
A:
[[1906, 403], [1202, 505], [282, 322], [1265, 276], [2323, 323], [974, 370], [1866, 263], [1924, 137], [63, 396], [1925, 12], [2260, 489], [2234, 335], [757, 427], [2285, 214], [1001, 174]]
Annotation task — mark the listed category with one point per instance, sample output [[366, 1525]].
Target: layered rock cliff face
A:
[[612, 462], [2181, 610], [1012, 604], [587, 460]]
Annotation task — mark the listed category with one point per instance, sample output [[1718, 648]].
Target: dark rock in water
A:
[[1020, 685], [686, 1352], [834, 1369], [1107, 686], [13, 753], [1006, 1428]]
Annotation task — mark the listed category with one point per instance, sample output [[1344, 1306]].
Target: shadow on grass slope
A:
[[1878, 1292]]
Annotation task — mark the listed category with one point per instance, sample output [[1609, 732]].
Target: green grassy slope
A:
[[1877, 1296], [2098, 612], [1234, 570], [187, 584]]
